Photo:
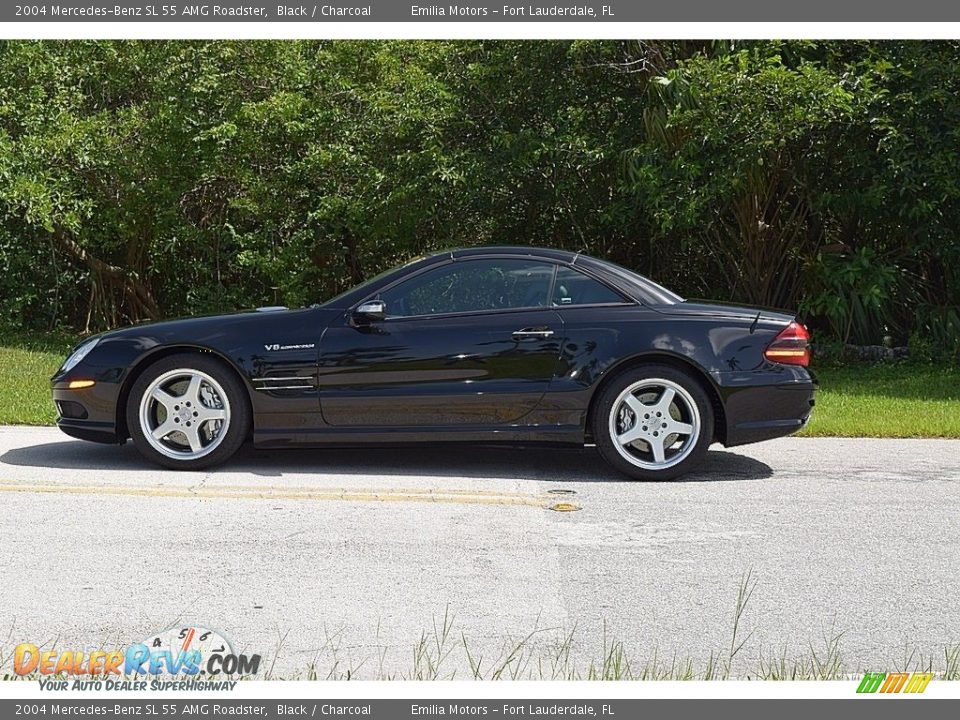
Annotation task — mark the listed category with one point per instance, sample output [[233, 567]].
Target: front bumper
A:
[[87, 414], [85, 430]]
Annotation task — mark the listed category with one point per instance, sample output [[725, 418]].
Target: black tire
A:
[[239, 416], [607, 444]]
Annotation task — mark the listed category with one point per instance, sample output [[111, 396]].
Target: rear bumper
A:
[[762, 413]]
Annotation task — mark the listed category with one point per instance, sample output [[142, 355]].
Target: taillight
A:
[[790, 347]]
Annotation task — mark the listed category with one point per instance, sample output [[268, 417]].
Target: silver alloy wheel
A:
[[184, 414], [654, 424]]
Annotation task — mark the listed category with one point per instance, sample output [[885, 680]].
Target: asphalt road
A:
[[343, 559]]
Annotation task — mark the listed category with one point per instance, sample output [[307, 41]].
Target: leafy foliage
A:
[[148, 179]]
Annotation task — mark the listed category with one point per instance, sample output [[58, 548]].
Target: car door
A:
[[596, 319], [473, 342]]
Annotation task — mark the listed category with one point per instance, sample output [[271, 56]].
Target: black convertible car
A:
[[486, 345]]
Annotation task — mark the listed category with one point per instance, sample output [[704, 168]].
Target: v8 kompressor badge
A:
[[278, 346]]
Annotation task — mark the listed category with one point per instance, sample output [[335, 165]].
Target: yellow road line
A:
[[415, 491], [254, 492]]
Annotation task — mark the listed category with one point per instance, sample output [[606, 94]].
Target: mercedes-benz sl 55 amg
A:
[[484, 345]]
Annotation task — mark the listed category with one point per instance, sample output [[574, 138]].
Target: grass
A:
[[888, 400], [26, 365], [545, 653], [883, 401]]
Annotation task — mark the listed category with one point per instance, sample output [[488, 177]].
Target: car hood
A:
[[189, 326]]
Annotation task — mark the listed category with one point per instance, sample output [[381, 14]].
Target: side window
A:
[[575, 288], [472, 286]]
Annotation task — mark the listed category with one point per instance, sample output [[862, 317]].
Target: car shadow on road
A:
[[524, 463]]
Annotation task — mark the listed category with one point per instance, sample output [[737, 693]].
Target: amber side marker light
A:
[[790, 347], [80, 384]]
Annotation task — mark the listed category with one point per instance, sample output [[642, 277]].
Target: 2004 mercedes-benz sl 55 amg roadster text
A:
[[485, 345]]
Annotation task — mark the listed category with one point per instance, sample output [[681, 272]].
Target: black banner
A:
[[475, 11], [875, 708]]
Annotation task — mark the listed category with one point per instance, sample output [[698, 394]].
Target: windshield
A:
[[334, 301]]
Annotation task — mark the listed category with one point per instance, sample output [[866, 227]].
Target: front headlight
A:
[[79, 354]]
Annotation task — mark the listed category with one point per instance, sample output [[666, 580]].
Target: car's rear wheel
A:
[[653, 422], [187, 412]]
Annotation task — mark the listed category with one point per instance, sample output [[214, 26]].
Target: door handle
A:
[[541, 332]]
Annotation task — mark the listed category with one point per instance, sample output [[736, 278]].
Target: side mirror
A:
[[371, 311]]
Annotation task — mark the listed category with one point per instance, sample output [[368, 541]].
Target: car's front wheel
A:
[[187, 412], [653, 422]]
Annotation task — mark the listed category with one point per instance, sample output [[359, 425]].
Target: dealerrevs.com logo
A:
[[178, 658]]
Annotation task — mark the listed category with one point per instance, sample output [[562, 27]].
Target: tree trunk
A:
[[117, 293]]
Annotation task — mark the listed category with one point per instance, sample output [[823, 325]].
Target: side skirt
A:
[[359, 436]]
